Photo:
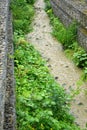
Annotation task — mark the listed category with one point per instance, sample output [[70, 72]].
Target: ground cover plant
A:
[[67, 36], [23, 12], [41, 103]]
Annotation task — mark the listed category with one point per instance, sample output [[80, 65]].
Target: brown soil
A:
[[64, 71]]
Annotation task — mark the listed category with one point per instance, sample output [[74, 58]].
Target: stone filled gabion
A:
[[69, 11], [7, 99]]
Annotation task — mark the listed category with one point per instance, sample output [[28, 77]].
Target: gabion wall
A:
[[7, 98], [70, 10]]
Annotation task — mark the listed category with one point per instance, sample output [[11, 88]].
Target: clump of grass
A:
[[23, 12], [67, 36]]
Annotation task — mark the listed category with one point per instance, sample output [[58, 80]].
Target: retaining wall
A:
[[70, 10], [67, 11], [7, 99]]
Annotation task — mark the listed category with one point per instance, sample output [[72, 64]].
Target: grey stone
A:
[[73, 10], [56, 77], [80, 103], [7, 106]]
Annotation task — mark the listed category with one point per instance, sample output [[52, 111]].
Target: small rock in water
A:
[[49, 65], [56, 77], [80, 103], [48, 60], [44, 25], [37, 38], [64, 85], [67, 66], [77, 124], [70, 88]]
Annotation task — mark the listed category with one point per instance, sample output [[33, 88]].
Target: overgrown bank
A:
[[41, 103], [68, 38]]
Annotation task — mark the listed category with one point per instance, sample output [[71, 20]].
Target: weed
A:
[[22, 15], [80, 58], [41, 102]]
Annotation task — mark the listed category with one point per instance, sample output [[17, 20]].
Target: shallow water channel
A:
[[64, 70]]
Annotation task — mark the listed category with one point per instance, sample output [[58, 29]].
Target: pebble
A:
[[67, 66], [49, 65], [56, 77], [80, 103], [44, 26], [64, 85], [48, 60], [37, 38], [77, 124]]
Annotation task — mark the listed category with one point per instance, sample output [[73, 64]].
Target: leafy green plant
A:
[[22, 15], [41, 103], [48, 6], [80, 58], [65, 35], [85, 73], [30, 1]]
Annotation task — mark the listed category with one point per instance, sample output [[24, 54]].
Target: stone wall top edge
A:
[[4, 6], [72, 9], [81, 6]]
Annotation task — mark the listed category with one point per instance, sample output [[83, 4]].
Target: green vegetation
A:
[[41, 104], [23, 12], [67, 36], [80, 58]]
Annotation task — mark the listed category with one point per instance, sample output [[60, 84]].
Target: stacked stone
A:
[[9, 113], [6, 70], [3, 57], [71, 10]]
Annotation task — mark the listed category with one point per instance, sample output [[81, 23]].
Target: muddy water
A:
[[64, 71]]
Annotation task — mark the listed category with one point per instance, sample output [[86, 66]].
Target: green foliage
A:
[[30, 1], [41, 103], [65, 35], [85, 73], [80, 58], [22, 15], [48, 6]]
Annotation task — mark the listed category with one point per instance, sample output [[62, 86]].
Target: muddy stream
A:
[[64, 70]]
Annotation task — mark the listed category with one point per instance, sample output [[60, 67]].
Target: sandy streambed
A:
[[64, 71]]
